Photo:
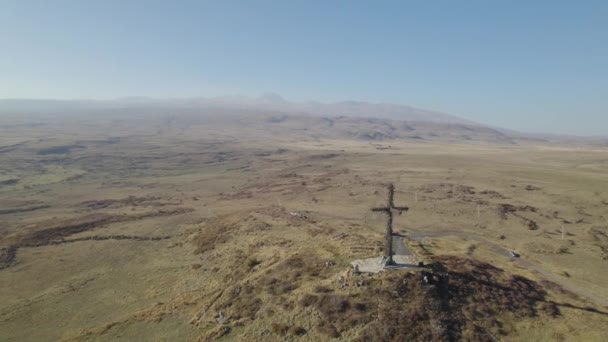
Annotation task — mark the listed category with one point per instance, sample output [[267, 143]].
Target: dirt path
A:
[[418, 236]]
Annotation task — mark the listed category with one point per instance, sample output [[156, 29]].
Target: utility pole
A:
[[478, 211], [562, 231]]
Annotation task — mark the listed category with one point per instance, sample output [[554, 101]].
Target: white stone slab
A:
[[374, 265]]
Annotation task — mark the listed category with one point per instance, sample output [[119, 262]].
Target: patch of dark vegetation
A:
[[218, 333], [297, 330], [374, 135], [9, 148], [279, 329], [59, 149], [308, 300], [600, 239], [8, 256], [284, 329], [505, 208], [57, 234], [406, 127], [113, 237], [474, 301], [9, 182], [263, 154], [236, 195], [277, 286], [528, 208], [216, 158], [550, 309], [329, 121], [323, 289], [108, 141], [471, 249], [22, 210], [492, 194], [148, 201], [292, 272], [328, 329], [46, 236], [240, 301], [450, 190], [342, 311], [463, 189], [324, 156], [532, 225], [277, 119], [288, 175], [252, 262]]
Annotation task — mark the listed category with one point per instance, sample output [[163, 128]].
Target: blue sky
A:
[[537, 66]]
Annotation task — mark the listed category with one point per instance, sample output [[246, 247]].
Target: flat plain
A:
[[243, 228]]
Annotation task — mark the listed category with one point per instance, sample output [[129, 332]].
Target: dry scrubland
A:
[[178, 228]]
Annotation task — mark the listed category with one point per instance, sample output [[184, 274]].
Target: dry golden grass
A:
[[260, 225]]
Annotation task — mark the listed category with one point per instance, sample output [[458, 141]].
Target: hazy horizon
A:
[[142, 98], [530, 67]]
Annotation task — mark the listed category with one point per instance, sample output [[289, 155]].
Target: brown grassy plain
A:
[[182, 229]]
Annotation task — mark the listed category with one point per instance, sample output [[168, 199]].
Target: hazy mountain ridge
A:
[[268, 102], [307, 127], [344, 108], [271, 113]]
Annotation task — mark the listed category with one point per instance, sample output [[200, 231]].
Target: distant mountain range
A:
[[434, 124], [267, 102], [276, 103]]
